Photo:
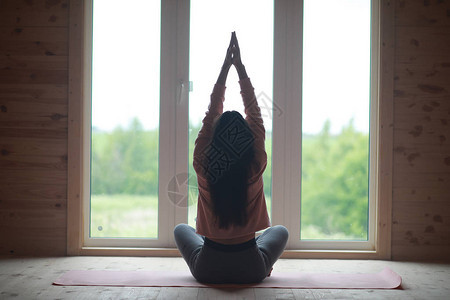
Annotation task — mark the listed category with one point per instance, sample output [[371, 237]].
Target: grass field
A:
[[131, 216], [124, 216], [136, 216]]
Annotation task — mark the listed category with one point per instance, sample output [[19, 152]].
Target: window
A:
[[315, 189], [124, 137], [148, 137], [257, 55], [336, 204], [122, 201]]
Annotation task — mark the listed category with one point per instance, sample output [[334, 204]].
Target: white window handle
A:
[[182, 89]]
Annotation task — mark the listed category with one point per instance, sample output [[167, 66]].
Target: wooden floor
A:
[[31, 278]]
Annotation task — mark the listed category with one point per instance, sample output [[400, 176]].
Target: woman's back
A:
[[257, 216]]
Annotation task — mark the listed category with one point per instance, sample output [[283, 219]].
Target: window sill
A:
[[173, 252], [332, 254], [129, 251]]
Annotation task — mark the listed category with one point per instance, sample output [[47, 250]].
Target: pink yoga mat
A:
[[386, 279]]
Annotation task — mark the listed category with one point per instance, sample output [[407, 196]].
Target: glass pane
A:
[[336, 97], [125, 119], [210, 31]]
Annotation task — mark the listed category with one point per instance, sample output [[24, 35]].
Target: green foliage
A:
[[131, 216], [335, 182], [334, 177], [125, 161]]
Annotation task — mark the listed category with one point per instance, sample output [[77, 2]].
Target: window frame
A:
[[287, 133], [172, 160], [174, 75], [287, 154]]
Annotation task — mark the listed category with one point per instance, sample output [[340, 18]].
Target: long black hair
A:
[[227, 163]]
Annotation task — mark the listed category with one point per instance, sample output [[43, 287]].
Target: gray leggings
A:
[[249, 262]]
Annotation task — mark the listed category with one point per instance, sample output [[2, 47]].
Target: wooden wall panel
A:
[[33, 240], [36, 6], [422, 13], [420, 194], [33, 126], [32, 91], [33, 18], [421, 183], [34, 63], [36, 34]]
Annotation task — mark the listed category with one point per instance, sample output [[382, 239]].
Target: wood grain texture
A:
[[385, 129], [33, 147], [37, 6], [421, 186], [75, 103], [35, 18], [33, 127], [421, 194], [34, 91], [33, 63], [31, 278], [36, 34], [428, 13]]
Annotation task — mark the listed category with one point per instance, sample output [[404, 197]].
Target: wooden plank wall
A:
[[421, 182], [33, 126]]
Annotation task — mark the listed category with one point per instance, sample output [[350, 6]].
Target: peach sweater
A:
[[258, 218]]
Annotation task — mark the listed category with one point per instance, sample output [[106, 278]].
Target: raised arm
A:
[[252, 110], [255, 122], [226, 65], [236, 59], [215, 109]]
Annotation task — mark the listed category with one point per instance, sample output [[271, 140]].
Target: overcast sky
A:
[[335, 61]]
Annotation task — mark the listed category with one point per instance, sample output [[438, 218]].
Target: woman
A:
[[229, 159]]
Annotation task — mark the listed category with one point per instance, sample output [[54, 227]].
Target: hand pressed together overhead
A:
[[232, 57]]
